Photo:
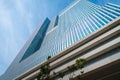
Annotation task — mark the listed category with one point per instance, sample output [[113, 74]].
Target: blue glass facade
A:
[[103, 2], [77, 23], [73, 24], [37, 41], [56, 21]]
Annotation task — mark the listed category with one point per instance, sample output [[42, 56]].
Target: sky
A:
[[18, 20]]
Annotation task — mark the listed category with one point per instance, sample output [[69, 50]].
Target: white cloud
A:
[[11, 41], [8, 34], [16, 24], [21, 8]]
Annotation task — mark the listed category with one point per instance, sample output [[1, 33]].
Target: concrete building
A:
[[82, 30]]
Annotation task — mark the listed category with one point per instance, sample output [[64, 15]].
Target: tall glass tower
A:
[[82, 30]]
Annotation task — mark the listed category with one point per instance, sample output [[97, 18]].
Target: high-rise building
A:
[[82, 30]]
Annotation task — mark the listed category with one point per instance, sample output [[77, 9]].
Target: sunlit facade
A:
[[81, 30]]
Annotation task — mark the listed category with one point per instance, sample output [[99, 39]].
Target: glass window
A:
[[56, 21], [37, 41], [112, 11], [105, 16], [101, 17], [108, 13], [113, 8], [113, 5]]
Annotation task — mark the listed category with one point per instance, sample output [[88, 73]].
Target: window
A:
[[37, 41], [56, 21]]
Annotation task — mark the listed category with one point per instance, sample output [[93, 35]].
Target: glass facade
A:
[[74, 23], [37, 41], [56, 21], [103, 2]]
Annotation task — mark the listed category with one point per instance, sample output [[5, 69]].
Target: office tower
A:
[[82, 30]]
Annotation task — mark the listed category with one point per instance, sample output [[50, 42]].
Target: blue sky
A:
[[18, 19]]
